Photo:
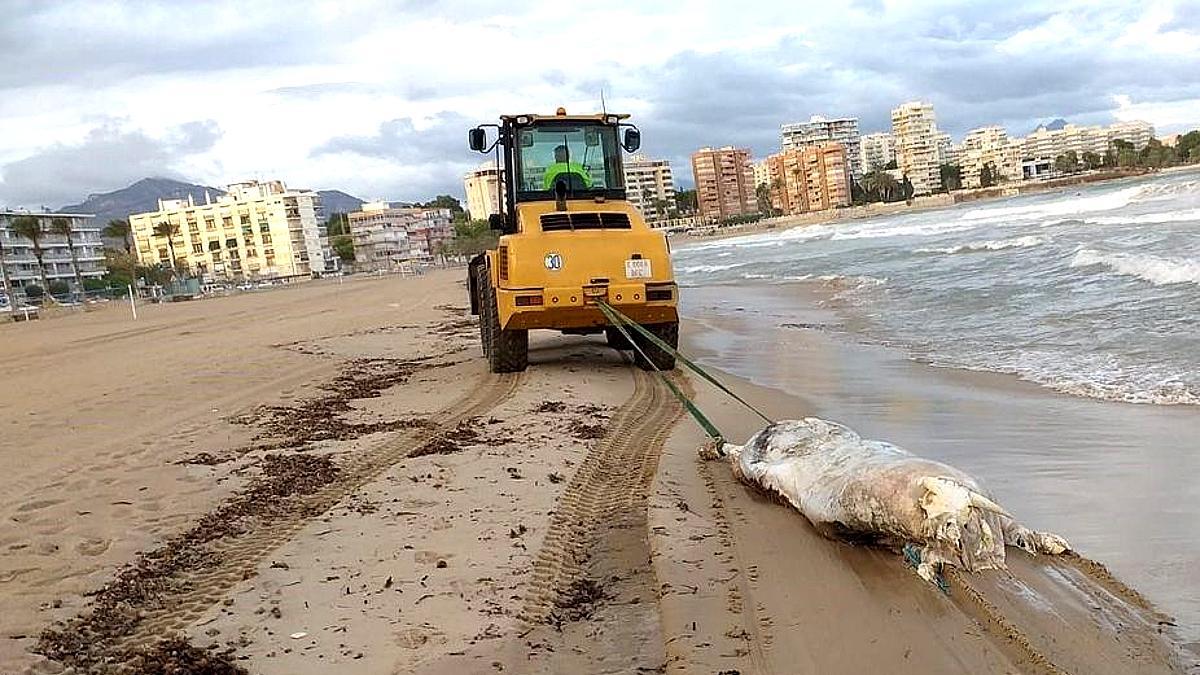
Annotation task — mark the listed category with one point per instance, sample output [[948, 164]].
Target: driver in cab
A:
[[562, 166]]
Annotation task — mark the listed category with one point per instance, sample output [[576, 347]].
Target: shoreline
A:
[[934, 202]]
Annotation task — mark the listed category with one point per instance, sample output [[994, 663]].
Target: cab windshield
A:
[[583, 157]]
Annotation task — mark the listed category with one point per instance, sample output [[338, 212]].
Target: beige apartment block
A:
[[258, 230], [819, 131], [878, 150], [1048, 144], [813, 178], [484, 191], [388, 235], [914, 126], [724, 182], [762, 173], [989, 145], [649, 187]]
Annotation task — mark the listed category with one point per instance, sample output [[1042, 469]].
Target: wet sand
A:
[[325, 477], [1114, 478]]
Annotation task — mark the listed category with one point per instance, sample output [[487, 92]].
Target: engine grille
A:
[[578, 220]]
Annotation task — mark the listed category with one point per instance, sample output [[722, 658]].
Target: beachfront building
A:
[[257, 230], [914, 127], [387, 235], [762, 173], [484, 191], [650, 188], [724, 182], [948, 152], [989, 146], [19, 265], [813, 178], [877, 152], [1044, 143], [818, 131]]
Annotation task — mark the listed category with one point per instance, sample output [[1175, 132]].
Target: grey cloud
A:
[[108, 158], [435, 157]]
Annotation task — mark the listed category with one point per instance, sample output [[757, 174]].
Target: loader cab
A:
[[557, 159]]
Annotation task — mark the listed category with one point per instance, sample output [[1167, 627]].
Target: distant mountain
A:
[[141, 197], [336, 201], [1053, 125]]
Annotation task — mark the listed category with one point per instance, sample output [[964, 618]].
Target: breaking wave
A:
[[989, 245], [1067, 206], [1150, 218], [1158, 271]]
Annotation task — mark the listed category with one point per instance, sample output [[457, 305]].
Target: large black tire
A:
[[668, 333], [615, 339], [507, 351], [481, 301]]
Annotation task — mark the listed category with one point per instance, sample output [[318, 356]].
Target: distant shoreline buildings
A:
[[258, 230], [389, 235], [19, 263]]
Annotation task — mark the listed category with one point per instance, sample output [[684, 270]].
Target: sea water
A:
[[1094, 292]]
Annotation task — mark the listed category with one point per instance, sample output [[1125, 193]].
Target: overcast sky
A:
[[376, 98]]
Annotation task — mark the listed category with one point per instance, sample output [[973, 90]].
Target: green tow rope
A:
[[620, 322]]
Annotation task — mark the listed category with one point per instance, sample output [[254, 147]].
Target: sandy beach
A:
[[325, 477]]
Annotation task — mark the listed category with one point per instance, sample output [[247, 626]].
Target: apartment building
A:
[[484, 191], [1048, 144], [762, 173], [724, 182], [649, 187], [257, 230], [820, 130], [812, 178], [19, 265], [877, 151], [387, 234], [914, 127], [989, 145]]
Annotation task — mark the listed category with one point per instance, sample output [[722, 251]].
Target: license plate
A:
[[638, 268]]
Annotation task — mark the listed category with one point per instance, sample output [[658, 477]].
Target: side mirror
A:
[[633, 140], [496, 222], [477, 138]]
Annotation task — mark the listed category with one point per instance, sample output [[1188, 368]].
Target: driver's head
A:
[[560, 153]]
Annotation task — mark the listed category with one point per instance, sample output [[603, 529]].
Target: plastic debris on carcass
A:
[[865, 491]]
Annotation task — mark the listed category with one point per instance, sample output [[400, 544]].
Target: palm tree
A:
[[30, 228], [169, 230], [881, 184], [4, 272], [62, 226], [119, 229]]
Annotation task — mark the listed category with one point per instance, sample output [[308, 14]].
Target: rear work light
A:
[[528, 300]]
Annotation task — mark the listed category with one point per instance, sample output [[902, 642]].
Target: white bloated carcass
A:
[[874, 492]]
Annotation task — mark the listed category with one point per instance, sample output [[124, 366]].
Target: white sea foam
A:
[[1184, 216], [708, 269], [1067, 206], [1156, 270], [990, 245]]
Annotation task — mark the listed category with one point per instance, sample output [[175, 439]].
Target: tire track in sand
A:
[[238, 557], [607, 495]]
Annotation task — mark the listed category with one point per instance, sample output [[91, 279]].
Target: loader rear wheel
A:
[[507, 351], [663, 360], [615, 339], [481, 300]]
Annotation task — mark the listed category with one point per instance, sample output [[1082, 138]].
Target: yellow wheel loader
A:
[[568, 238]]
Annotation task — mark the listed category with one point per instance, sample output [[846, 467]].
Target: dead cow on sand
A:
[[867, 491]]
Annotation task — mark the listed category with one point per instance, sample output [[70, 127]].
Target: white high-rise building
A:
[[484, 191], [256, 230], [387, 235], [819, 131], [649, 187], [878, 150], [914, 127], [989, 145]]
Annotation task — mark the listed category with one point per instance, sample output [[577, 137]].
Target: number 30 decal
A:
[[554, 261]]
